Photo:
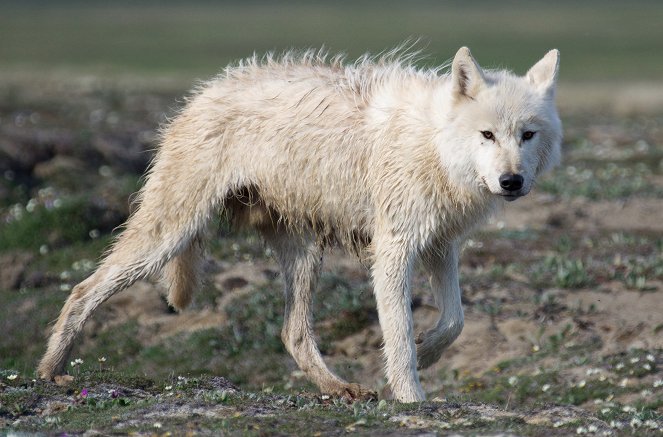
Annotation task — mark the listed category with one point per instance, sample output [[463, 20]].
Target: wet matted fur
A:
[[390, 161]]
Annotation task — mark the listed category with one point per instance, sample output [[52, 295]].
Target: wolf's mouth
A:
[[511, 197]]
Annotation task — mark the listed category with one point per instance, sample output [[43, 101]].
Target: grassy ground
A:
[[111, 402]]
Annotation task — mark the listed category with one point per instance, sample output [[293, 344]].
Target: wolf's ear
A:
[[543, 75], [466, 75]]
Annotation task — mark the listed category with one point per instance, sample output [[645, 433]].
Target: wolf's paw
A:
[[432, 343], [48, 372], [429, 350], [352, 392]]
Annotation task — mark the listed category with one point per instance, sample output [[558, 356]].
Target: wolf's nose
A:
[[511, 182]]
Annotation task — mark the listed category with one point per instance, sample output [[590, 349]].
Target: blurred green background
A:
[[599, 40]]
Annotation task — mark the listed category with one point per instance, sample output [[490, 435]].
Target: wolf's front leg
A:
[[392, 269], [443, 268]]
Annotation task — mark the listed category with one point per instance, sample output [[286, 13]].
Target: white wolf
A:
[[383, 158]]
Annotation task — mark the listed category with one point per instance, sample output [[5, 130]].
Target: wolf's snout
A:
[[511, 182]]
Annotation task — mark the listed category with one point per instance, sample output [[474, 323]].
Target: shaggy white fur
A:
[[390, 161]]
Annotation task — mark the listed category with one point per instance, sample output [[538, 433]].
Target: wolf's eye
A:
[[488, 135], [528, 135]]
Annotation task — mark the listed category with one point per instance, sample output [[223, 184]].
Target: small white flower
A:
[[157, 424], [101, 359], [582, 383], [623, 382], [658, 383], [43, 249], [605, 410], [635, 423], [105, 171], [32, 204], [602, 378], [545, 387], [619, 366], [536, 348], [628, 409], [12, 377], [651, 358], [616, 424], [168, 387], [513, 380], [297, 374], [645, 392], [646, 366], [88, 264], [581, 430], [472, 243], [634, 360], [78, 361], [325, 397], [651, 424], [592, 428], [592, 371]]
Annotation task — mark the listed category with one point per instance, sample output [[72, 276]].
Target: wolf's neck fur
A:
[[411, 111]]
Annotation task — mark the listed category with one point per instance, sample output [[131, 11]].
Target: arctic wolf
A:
[[389, 161]]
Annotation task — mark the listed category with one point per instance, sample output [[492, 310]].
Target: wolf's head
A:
[[502, 130]]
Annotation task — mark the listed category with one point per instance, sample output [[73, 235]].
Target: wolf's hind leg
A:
[[130, 260], [170, 217], [443, 269], [300, 259]]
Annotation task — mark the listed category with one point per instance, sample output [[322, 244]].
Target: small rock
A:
[[38, 279], [221, 383], [12, 269], [234, 282], [58, 166], [54, 407]]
